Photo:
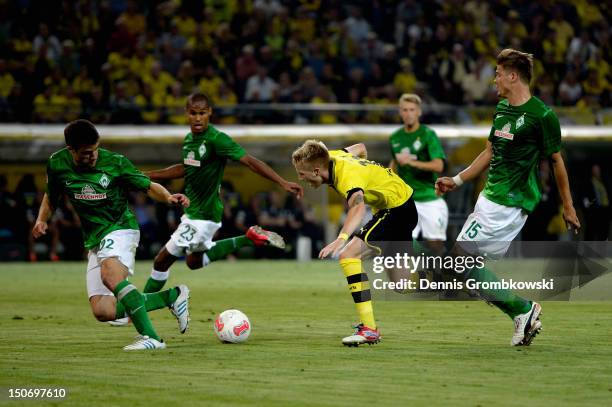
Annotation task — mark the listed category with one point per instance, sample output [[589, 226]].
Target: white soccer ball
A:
[[232, 326]]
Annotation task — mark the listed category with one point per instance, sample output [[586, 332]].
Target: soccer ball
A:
[[232, 326]]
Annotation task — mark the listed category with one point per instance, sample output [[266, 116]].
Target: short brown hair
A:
[[518, 61], [197, 98], [311, 151], [411, 98], [80, 133]]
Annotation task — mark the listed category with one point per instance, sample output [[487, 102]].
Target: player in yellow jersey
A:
[[361, 182]]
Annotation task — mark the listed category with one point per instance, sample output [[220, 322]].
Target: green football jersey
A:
[[521, 136], [424, 145], [98, 194], [204, 159]]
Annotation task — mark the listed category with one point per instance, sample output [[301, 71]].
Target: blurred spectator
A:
[[231, 206], [151, 107], [405, 81], [122, 106], [187, 79], [28, 202], [323, 96], [46, 43], [274, 217], [132, 19], [97, 108], [453, 71], [7, 81], [570, 89], [537, 225], [68, 61], [562, 29], [210, 83], [514, 29], [144, 210], [581, 48], [260, 88], [8, 220], [68, 226], [11, 244], [478, 85], [246, 67], [357, 26], [594, 86], [159, 80], [301, 221], [175, 105], [596, 204]]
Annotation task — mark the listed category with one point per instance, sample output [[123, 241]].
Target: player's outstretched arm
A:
[[480, 163], [263, 169], [561, 178], [435, 165], [161, 194], [358, 150], [172, 172], [353, 219], [44, 214]]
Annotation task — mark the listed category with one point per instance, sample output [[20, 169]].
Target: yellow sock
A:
[[360, 290]]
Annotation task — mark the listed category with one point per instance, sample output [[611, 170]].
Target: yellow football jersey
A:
[[382, 188]]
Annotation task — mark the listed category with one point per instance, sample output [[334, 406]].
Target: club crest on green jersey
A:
[[417, 144], [88, 193], [520, 121], [104, 180], [202, 150], [190, 160], [406, 150]]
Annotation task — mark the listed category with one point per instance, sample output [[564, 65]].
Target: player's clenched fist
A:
[[40, 228], [179, 199], [444, 185]]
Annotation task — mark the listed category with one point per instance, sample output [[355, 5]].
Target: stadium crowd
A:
[[122, 61]]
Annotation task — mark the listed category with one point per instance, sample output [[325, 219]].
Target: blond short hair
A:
[[411, 98], [518, 61], [311, 151]]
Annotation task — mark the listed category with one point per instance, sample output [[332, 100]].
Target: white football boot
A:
[[119, 322], [145, 343], [362, 335], [180, 308], [527, 326]]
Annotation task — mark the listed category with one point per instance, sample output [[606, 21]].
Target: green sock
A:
[[153, 301], [227, 246], [161, 299], [120, 311], [134, 304], [418, 248], [156, 281], [504, 299]]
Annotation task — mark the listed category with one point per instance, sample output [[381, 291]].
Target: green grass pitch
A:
[[432, 353]]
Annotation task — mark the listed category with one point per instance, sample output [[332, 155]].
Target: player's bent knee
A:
[[103, 307], [194, 261]]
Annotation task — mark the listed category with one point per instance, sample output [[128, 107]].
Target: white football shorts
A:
[[433, 220], [121, 244], [192, 236], [493, 226]]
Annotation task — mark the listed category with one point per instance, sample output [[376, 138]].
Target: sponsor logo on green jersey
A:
[[88, 193]]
